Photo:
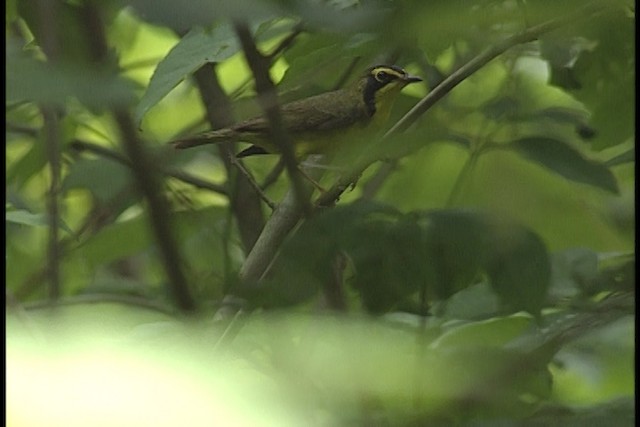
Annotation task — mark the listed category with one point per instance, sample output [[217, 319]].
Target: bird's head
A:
[[381, 84]]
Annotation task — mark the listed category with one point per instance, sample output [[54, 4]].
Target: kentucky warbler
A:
[[316, 123]]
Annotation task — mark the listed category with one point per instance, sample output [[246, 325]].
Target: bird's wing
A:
[[325, 112]]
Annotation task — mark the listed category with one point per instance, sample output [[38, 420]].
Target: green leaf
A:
[[105, 179], [394, 256], [572, 271], [566, 161], [618, 412], [487, 333], [340, 16], [477, 301], [518, 267], [628, 156], [605, 74], [195, 49], [37, 81], [116, 241], [465, 244], [27, 166], [183, 16], [388, 256], [568, 115], [24, 217]]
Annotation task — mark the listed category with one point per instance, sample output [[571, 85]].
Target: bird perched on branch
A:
[[318, 124]]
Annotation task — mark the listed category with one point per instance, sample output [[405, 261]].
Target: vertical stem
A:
[[242, 198], [47, 22], [462, 178], [51, 140], [147, 179], [268, 100]]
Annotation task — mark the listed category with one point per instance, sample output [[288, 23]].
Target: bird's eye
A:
[[381, 76]]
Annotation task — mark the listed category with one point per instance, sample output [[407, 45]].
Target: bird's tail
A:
[[212, 137]]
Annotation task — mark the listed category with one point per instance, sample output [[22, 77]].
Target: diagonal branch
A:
[[453, 80]]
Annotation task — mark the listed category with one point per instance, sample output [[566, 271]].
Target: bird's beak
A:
[[411, 79]]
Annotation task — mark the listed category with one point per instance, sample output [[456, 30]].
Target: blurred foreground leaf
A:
[[37, 81], [565, 160], [396, 256]]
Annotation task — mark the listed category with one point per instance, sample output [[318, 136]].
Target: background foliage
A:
[[481, 274]]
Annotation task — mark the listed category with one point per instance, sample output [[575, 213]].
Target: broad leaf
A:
[[37, 81], [565, 160], [395, 257], [183, 16], [194, 50], [105, 179], [27, 218], [32, 162], [572, 270]]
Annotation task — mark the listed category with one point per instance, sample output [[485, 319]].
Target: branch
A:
[[268, 99], [476, 63], [52, 141], [47, 13], [158, 210], [173, 173], [285, 217]]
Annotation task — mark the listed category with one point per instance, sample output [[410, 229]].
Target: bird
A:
[[320, 123]]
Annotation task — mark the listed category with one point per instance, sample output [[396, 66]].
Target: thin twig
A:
[[371, 187], [286, 42], [195, 181], [238, 164], [344, 77], [273, 175], [462, 177], [172, 172], [47, 13], [96, 220], [286, 216]]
